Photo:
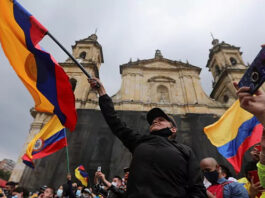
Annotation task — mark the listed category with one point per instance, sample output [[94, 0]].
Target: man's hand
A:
[[254, 104], [101, 176], [94, 83], [255, 189], [68, 177]]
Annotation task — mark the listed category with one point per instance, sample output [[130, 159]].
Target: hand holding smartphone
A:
[[255, 74]]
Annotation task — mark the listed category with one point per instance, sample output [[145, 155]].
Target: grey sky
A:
[[129, 29]]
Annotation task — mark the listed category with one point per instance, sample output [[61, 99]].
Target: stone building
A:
[[7, 165], [171, 85]]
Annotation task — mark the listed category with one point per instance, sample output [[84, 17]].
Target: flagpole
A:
[[67, 153]]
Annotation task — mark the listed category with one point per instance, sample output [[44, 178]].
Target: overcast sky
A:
[[129, 29]]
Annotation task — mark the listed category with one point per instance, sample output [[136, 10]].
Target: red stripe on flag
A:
[[65, 96], [52, 148], [255, 138]]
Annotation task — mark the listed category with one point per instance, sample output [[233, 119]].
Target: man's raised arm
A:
[[119, 128]]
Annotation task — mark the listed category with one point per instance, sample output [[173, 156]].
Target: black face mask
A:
[[162, 132], [212, 176]]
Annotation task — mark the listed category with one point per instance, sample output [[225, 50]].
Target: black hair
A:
[[118, 177], [225, 170], [22, 190], [250, 166]]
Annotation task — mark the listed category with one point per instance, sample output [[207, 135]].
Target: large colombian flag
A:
[[47, 82], [234, 133], [50, 139], [81, 175]]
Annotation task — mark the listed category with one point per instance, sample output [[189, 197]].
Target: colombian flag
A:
[[47, 82], [81, 175], [50, 139], [234, 133]]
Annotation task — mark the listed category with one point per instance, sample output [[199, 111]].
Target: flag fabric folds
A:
[[47, 82], [234, 133], [81, 175], [50, 139]]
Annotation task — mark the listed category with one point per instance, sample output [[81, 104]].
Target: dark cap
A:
[[157, 112], [126, 169], [11, 183]]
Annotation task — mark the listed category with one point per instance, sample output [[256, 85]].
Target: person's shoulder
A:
[[182, 146]]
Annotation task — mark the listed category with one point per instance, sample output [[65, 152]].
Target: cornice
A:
[[218, 48], [222, 76]]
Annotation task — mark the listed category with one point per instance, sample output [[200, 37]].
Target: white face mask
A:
[[59, 192], [114, 184]]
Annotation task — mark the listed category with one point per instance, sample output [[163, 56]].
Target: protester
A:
[[255, 104], [10, 187], [125, 178], [87, 193], [78, 192], [48, 193], [68, 187], [220, 187], [226, 173], [250, 180], [160, 166], [59, 192], [20, 192], [111, 189]]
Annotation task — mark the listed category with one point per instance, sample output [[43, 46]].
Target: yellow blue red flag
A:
[[234, 133], [50, 139], [81, 175], [47, 82]]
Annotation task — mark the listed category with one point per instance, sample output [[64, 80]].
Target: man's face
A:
[[117, 181], [160, 123], [48, 193], [208, 167], [10, 188]]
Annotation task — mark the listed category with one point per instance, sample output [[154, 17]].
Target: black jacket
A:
[[160, 167]]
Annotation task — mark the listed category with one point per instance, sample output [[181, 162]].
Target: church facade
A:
[[171, 85]]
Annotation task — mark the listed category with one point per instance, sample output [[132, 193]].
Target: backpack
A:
[[218, 189]]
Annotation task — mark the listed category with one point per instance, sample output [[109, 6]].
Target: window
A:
[[217, 70], [233, 61], [226, 98], [82, 55], [73, 83], [162, 94]]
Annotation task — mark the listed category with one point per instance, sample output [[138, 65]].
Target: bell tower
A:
[[89, 53], [226, 65]]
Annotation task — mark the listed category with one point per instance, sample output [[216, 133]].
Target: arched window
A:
[[82, 55], [162, 94], [233, 61], [73, 83], [226, 98], [217, 70]]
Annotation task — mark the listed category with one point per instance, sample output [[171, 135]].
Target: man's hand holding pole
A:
[[97, 85]]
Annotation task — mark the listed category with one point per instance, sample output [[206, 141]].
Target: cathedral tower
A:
[[89, 53], [226, 65]]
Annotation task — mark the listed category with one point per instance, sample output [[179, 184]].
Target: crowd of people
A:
[[161, 166], [102, 188]]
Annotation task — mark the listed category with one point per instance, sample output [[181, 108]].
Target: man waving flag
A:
[[47, 82]]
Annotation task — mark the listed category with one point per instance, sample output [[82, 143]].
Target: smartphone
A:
[[99, 169], [255, 74], [254, 174]]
